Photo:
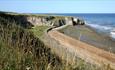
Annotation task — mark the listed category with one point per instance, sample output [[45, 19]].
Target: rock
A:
[[59, 22], [49, 18], [38, 21], [35, 20], [68, 21], [77, 21], [82, 22]]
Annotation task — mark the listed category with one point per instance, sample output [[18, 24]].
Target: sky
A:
[[58, 6]]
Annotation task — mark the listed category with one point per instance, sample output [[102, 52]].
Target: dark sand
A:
[[89, 36]]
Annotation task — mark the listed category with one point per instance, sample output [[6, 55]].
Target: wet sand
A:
[[90, 36]]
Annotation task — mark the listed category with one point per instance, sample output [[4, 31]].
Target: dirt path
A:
[[85, 51]]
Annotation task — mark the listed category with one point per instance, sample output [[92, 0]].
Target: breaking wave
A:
[[107, 29]]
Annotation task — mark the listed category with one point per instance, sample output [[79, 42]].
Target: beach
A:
[[90, 36]]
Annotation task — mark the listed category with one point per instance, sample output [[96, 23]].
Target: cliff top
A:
[[34, 14]]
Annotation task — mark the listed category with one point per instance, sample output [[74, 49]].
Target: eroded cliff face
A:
[[38, 20], [54, 21], [48, 20]]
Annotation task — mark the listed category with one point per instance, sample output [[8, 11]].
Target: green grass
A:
[[14, 58], [21, 48], [39, 30]]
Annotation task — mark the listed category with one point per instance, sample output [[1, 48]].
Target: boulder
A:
[[77, 21], [59, 22]]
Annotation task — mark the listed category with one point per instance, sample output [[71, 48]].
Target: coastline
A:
[[105, 34], [90, 36], [80, 49]]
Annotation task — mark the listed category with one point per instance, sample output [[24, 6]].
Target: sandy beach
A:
[[90, 36]]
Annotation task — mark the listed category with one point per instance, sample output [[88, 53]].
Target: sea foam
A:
[[106, 29], [112, 34]]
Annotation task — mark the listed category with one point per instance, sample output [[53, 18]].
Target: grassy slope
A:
[[21, 48], [79, 64], [39, 30]]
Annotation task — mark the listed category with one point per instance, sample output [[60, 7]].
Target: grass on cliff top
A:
[[38, 31], [35, 15]]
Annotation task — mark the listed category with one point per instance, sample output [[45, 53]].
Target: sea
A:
[[101, 22]]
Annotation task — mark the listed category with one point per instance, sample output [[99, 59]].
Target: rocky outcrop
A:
[[41, 20], [38, 20], [77, 21], [55, 21], [47, 20]]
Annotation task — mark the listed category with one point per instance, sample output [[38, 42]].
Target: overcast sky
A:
[[59, 6]]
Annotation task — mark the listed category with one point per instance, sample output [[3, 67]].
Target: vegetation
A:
[[20, 49], [38, 31]]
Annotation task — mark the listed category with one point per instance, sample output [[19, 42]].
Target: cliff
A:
[[54, 20], [29, 20]]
